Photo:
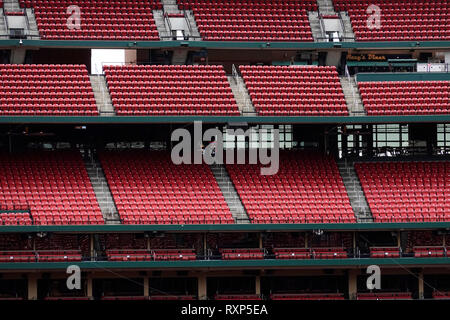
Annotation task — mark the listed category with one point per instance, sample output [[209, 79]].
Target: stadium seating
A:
[[406, 191], [307, 189], [67, 298], [307, 296], [399, 20], [174, 254], [242, 254], [53, 185], [99, 19], [58, 256], [17, 256], [384, 296], [149, 189], [393, 252], [424, 252], [11, 217], [441, 295], [47, 90], [256, 20], [170, 90], [295, 90], [405, 97], [171, 297], [124, 298], [329, 253], [129, 255], [292, 253]]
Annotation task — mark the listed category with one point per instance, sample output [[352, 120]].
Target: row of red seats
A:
[[393, 252], [312, 253], [46, 90], [319, 93], [99, 19], [40, 256], [148, 255], [405, 97], [209, 94], [307, 296], [242, 254], [288, 197], [203, 203], [406, 191], [399, 20], [43, 180], [384, 296]]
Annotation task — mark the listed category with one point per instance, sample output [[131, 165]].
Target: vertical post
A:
[[352, 283], [202, 293], [258, 285], [421, 284], [205, 245], [92, 246], [146, 287], [89, 291], [260, 240], [32, 286]]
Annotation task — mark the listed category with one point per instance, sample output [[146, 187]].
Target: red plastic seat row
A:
[[170, 90], [399, 20], [295, 91], [384, 296], [307, 296], [242, 254], [46, 90], [393, 252], [100, 19], [237, 297]]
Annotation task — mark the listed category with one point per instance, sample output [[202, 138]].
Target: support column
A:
[[258, 285], [89, 291], [352, 283], [32, 286], [91, 245], [146, 287], [260, 241], [421, 286], [202, 293]]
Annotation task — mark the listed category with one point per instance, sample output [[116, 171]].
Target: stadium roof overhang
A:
[[230, 264], [227, 227], [223, 119], [14, 43]]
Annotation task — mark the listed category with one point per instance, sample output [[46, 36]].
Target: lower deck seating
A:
[[149, 189], [384, 296], [124, 298], [424, 252], [406, 191], [307, 296], [393, 252], [52, 185], [405, 97], [174, 254], [308, 188], [242, 254], [128, 255], [17, 256], [441, 295], [58, 256], [295, 90], [329, 253], [66, 298], [292, 253], [172, 297], [46, 90]]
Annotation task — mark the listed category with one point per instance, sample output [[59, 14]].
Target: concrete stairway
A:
[[102, 96], [194, 28], [349, 34], [33, 30], [11, 5], [316, 28], [241, 95], [326, 7], [352, 96], [160, 22], [3, 31], [355, 192], [229, 192], [102, 191]]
